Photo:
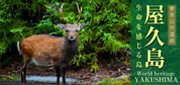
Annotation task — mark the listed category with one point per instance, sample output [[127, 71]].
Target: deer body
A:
[[47, 50], [44, 50]]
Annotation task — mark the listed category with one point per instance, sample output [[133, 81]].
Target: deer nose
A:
[[71, 36]]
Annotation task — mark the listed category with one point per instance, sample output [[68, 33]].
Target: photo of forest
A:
[[104, 53]]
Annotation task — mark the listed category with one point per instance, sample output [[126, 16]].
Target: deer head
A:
[[71, 29]]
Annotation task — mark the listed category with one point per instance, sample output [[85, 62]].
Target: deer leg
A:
[[58, 73], [23, 70], [63, 75], [22, 79], [23, 74]]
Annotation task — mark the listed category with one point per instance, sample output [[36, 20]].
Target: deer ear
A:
[[81, 25], [62, 26]]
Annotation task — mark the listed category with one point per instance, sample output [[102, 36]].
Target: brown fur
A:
[[46, 50], [42, 48]]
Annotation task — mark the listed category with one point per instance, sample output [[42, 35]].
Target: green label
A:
[[155, 42]]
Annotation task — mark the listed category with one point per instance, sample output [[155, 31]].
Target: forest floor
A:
[[115, 68]]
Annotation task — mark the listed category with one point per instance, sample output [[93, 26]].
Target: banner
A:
[[155, 42]]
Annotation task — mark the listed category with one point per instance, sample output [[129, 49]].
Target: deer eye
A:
[[67, 30], [77, 30]]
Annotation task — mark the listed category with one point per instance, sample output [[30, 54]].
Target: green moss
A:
[[9, 78], [110, 81]]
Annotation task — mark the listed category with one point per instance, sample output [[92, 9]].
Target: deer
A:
[[49, 50]]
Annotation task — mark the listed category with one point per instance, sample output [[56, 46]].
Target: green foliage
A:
[[110, 81], [107, 26], [107, 29], [15, 23]]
